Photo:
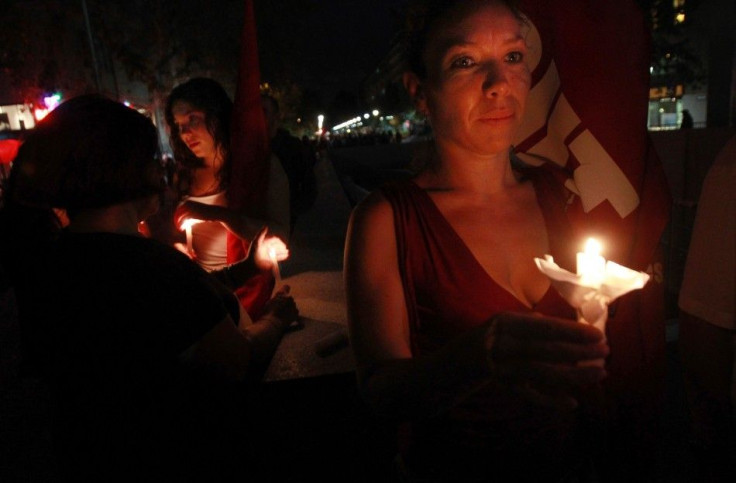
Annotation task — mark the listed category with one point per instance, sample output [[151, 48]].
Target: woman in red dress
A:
[[458, 337]]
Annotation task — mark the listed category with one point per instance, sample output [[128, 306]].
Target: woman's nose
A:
[[496, 81]]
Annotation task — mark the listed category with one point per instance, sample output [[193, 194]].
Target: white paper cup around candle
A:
[[594, 312], [591, 297]]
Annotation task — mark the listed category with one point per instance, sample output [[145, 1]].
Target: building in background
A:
[[693, 63]]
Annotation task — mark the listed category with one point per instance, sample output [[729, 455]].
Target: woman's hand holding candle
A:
[[544, 358], [269, 251], [596, 284]]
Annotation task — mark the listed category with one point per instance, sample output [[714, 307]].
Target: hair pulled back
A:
[[425, 17]]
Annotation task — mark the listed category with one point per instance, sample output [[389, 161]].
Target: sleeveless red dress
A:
[[447, 292]]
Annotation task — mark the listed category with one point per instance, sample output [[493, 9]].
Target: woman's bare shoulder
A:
[[374, 208], [371, 226]]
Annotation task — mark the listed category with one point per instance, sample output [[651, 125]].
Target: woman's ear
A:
[[413, 86]]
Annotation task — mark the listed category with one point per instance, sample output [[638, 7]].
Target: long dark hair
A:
[[210, 97]]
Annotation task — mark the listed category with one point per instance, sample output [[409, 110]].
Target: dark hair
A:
[[89, 152], [425, 16], [210, 97]]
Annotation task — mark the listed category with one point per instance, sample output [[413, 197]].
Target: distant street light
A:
[[375, 112], [320, 120]]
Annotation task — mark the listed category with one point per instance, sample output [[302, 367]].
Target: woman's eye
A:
[[462, 63], [515, 57]]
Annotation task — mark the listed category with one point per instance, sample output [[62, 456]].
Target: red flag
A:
[[587, 113], [250, 160]]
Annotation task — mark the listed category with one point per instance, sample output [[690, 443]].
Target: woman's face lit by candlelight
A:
[[477, 79], [192, 125]]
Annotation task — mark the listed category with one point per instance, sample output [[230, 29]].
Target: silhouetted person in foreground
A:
[[142, 349], [707, 328]]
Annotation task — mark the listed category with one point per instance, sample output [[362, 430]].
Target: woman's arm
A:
[[243, 226], [534, 353], [396, 385], [260, 258], [229, 351]]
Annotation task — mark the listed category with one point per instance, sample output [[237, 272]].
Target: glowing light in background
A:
[[50, 103]]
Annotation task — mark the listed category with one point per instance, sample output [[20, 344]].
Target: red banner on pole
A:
[[587, 114], [250, 160]]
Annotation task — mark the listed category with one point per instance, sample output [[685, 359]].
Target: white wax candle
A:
[[187, 227], [190, 249], [591, 265], [276, 271]]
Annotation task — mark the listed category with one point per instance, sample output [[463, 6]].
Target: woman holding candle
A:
[[458, 337], [140, 346], [198, 113]]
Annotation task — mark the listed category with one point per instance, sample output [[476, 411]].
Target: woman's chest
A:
[[503, 241]]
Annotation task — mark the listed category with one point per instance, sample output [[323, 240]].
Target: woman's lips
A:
[[497, 117], [193, 145]]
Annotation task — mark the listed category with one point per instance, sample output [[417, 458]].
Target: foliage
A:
[[34, 58]]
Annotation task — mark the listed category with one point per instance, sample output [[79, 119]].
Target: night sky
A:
[[323, 46], [342, 41]]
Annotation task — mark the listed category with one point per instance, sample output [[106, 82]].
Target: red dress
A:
[[448, 292]]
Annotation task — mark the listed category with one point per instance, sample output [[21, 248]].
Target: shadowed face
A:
[[192, 125], [477, 80]]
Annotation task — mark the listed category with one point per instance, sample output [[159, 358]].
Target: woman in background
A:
[[199, 114]]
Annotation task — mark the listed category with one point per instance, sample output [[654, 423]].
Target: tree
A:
[[44, 50]]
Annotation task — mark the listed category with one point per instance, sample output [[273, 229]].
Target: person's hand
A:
[[192, 210], [539, 356], [282, 307], [267, 251]]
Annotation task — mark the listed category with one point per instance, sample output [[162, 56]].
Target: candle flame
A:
[[593, 247], [188, 223]]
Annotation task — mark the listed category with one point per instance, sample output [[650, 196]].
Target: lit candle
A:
[[187, 227], [276, 271], [591, 265], [597, 283], [190, 249]]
